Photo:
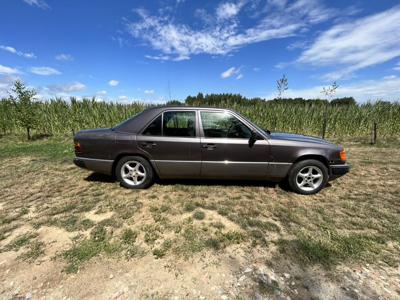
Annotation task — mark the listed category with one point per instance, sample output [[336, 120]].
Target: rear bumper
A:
[[338, 170], [103, 166]]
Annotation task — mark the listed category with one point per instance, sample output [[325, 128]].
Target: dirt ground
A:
[[66, 233]]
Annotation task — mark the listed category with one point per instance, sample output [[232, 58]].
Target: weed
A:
[[199, 215], [151, 233], [98, 234], [218, 225], [162, 251], [113, 222], [129, 236], [36, 249], [190, 206], [20, 241]]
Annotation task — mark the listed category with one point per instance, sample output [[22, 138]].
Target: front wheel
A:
[[308, 177], [134, 172]]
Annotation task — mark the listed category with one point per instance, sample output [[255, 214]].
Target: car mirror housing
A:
[[253, 138]]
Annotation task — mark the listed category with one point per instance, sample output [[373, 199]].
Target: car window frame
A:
[[162, 124], [149, 123], [225, 112]]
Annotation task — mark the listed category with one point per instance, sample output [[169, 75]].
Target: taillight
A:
[[78, 147], [342, 155]]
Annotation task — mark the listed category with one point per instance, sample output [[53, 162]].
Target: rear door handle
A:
[[149, 144], [209, 146]]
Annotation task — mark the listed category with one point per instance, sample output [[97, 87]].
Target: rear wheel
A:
[[134, 172], [308, 177]]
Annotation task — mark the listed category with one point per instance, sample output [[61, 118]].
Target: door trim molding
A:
[[225, 162]]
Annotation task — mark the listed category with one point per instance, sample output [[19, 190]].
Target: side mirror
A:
[[253, 138]]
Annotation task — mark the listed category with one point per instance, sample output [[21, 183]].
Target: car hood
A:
[[298, 138]]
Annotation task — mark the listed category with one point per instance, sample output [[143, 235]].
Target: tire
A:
[[134, 172], [308, 177]]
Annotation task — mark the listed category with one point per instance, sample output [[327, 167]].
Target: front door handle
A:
[[209, 146], [149, 144]]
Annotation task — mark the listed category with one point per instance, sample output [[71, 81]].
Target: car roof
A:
[[183, 107]]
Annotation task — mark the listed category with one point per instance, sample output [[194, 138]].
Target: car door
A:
[[225, 149], [173, 144]]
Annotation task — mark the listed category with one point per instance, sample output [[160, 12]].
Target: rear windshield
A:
[[123, 123]]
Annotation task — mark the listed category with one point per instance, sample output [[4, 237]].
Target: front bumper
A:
[[338, 170]]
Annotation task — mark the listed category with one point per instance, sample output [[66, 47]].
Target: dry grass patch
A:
[[355, 218]]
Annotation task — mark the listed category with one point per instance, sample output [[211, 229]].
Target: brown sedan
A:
[[206, 143]]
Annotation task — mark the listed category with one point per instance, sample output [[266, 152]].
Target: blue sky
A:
[[168, 49]]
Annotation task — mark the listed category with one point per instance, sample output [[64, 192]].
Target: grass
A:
[[59, 148], [36, 249], [81, 252], [129, 236], [199, 215], [21, 241], [331, 248], [163, 249], [355, 219]]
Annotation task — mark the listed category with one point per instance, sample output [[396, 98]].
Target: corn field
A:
[[59, 117]]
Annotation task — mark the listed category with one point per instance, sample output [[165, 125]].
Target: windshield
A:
[[255, 125]]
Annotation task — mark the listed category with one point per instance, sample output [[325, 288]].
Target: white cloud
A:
[[166, 57], [15, 51], [113, 82], [123, 98], [6, 84], [149, 92], [101, 96], [101, 93], [227, 10], [38, 3], [397, 67], [178, 41], [8, 71], [231, 72], [44, 71], [228, 73], [356, 45], [389, 77], [386, 88], [297, 45], [67, 88], [64, 57]]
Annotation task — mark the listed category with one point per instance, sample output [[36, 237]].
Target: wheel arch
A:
[[319, 157]]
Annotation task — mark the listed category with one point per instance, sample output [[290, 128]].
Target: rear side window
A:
[[154, 128], [179, 123]]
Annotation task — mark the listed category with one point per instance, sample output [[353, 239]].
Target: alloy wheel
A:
[[133, 173], [309, 178]]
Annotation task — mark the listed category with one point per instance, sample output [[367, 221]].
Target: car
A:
[[169, 142]]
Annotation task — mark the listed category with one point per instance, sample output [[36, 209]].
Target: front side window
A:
[[179, 123], [223, 125], [154, 128]]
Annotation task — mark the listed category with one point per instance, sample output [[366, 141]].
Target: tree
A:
[[344, 101], [282, 85], [330, 91], [24, 106]]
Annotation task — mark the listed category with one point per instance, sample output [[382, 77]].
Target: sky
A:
[[164, 50]]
